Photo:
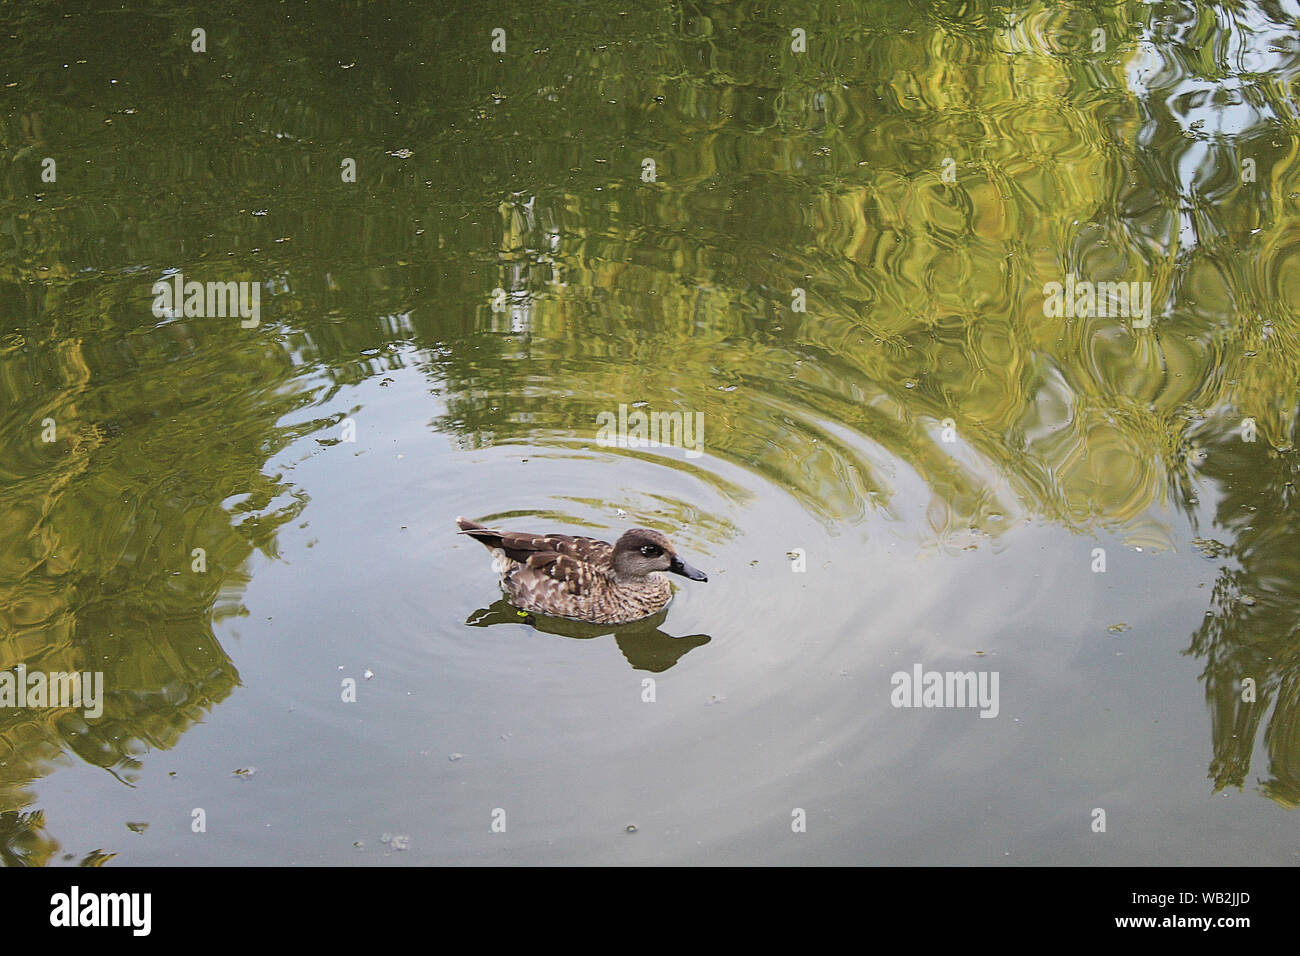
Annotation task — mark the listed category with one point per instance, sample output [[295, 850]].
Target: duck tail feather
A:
[[480, 532]]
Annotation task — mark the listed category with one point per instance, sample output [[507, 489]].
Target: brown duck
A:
[[581, 578]]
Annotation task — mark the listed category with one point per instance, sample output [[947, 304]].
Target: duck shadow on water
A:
[[645, 646]]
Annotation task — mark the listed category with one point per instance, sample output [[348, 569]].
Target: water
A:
[[908, 462]]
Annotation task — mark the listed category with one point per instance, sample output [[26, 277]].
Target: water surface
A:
[[839, 264]]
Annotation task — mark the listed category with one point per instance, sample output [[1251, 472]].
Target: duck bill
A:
[[685, 570]]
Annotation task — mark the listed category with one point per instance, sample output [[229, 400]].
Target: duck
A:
[[584, 579]]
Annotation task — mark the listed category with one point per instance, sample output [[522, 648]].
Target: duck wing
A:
[[573, 561]]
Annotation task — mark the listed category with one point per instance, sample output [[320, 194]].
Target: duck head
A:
[[640, 552]]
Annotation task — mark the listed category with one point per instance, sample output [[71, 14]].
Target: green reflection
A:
[[1251, 627]]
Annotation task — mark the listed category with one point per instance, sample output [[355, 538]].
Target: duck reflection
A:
[[642, 643]]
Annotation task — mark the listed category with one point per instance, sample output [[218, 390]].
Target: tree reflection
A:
[[1252, 626]]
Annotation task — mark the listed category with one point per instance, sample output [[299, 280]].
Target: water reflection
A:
[[1226, 176], [127, 533], [643, 644], [1251, 627], [25, 842]]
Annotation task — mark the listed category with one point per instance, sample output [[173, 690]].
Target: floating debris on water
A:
[[1210, 548]]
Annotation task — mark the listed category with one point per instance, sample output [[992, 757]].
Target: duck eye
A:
[[650, 551]]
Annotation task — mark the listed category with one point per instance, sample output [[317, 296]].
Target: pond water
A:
[[983, 320]]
